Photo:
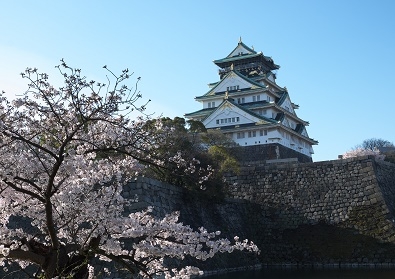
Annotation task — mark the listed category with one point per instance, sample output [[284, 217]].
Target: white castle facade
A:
[[247, 105]]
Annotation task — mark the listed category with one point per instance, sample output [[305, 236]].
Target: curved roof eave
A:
[[237, 57], [201, 112], [254, 114]]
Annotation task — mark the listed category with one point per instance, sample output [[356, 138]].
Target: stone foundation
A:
[[325, 213], [265, 152]]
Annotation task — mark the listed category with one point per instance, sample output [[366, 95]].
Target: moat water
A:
[[309, 274]]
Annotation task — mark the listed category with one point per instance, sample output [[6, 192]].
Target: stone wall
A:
[[197, 210], [253, 153], [338, 211], [332, 212]]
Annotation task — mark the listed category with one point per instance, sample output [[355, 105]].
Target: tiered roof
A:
[[253, 72], [246, 54]]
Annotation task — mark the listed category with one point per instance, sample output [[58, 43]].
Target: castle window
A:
[[240, 135], [232, 88], [268, 98], [227, 120], [263, 132], [262, 112]]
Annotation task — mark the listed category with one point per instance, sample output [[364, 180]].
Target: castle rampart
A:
[[332, 211], [337, 212]]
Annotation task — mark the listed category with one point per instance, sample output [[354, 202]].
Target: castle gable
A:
[[241, 49], [233, 82], [230, 114], [286, 104]]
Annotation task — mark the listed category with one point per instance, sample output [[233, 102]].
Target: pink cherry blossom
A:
[[65, 155]]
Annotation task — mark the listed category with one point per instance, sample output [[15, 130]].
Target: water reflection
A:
[[309, 274]]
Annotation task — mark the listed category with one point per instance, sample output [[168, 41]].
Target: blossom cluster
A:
[[65, 155], [364, 152]]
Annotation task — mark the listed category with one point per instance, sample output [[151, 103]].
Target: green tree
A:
[[188, 141]]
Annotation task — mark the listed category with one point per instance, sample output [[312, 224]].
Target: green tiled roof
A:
[[254, 114], [202, 112], [213, 83], [282, 98], [240, 126], [238, 74], [253, 54], [259, 104], [238, 57]]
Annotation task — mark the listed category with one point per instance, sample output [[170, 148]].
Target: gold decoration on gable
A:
[[226, 105], [261, 122]]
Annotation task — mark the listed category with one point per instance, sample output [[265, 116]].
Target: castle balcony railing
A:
[[241, 67]]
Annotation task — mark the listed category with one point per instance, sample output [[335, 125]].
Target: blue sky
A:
[[337, 57]]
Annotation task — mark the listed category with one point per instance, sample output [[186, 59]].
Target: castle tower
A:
[[248, 106]]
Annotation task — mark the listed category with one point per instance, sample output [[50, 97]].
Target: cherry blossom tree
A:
[[64, 156], [363, 152]]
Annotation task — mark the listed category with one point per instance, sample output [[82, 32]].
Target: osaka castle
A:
[[247, 105]]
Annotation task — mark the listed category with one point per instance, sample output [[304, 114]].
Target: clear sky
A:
[[337, 57]]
